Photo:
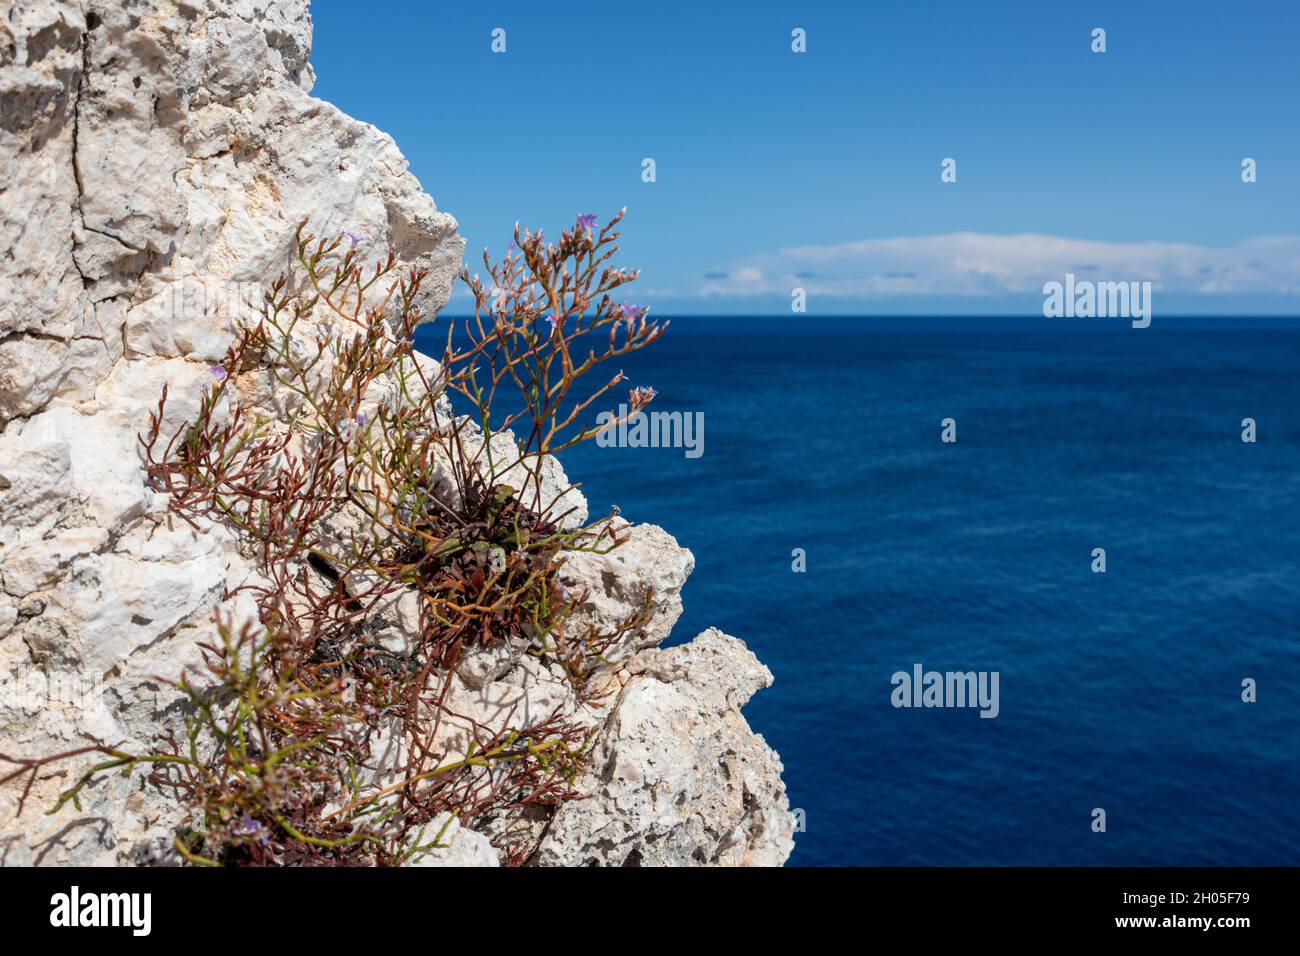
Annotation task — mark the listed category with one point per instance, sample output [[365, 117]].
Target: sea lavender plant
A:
[[335, 452]]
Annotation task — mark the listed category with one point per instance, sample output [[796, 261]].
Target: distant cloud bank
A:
[[971, 264]]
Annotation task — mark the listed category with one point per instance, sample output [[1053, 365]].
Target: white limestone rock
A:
[[645, 573], [447, 843], [678, 778], [156, 157], [148, 144], [545, 490], [529, 694], [191, 319]]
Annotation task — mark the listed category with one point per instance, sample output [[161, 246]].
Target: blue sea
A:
[[1119, 691]]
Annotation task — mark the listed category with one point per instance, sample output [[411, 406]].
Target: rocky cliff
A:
[[155, 158]]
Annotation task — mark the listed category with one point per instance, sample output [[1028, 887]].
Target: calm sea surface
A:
[[1119, 690]]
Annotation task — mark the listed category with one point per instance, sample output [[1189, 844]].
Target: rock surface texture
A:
[[155, 158]]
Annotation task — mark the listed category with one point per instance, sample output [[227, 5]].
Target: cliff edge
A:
[[155, 159]]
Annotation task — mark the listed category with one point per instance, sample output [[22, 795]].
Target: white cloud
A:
[[981, 264]]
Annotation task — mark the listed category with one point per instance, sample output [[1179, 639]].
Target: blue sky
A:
[[822, 169]]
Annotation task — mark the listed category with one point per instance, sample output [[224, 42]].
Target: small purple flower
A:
[[348, 427], [249, 828], [550, 318], [511, 248], [218, 372], [587, 221], [356, 239], [633, 314], [642, 395]]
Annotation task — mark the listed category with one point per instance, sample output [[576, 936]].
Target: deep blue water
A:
[[1118, 690]]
